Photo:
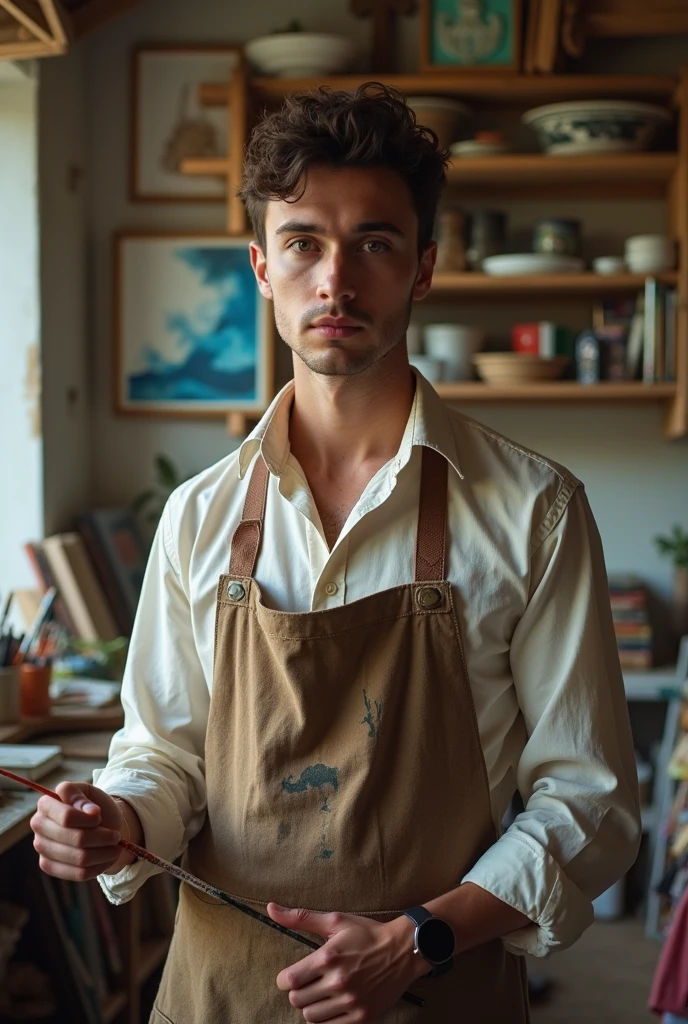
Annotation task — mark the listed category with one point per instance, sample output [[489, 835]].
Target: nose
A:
[[335, 279]]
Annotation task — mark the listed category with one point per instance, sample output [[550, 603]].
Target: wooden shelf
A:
[[538, 285], [153, 952], [601, 176], [517, 89], [556, 391]]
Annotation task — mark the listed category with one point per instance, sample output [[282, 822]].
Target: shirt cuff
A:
[[163, 828], [518, 871]]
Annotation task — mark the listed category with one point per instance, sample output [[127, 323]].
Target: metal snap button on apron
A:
[[235, 592], [428, 597]]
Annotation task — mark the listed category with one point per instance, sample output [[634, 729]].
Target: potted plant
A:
[[676, 547]]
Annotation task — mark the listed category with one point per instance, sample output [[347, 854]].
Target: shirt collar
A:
[[428, 424]]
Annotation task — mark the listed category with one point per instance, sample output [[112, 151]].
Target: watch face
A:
[[435, 940]]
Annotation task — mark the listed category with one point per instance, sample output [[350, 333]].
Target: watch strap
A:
[[418, 915]]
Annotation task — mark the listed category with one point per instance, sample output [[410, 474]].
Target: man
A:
[[411, 623]]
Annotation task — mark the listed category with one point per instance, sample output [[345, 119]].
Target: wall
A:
[[64, 297], [637, 481], [20, 426]]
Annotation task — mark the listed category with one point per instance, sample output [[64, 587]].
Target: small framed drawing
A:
[[168, 124], [471, 35], [192, 334]]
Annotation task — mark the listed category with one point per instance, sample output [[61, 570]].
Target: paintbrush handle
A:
[[185, 876]]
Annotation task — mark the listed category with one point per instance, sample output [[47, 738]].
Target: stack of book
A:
[[628, 596], [97, 571], [640, 334]]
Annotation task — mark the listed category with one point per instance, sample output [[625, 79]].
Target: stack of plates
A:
[[518, 263]]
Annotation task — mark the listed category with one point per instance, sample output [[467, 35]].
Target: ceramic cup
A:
[[454, 345], [609, 265], [35, 689], [10, 683], [431, 369]]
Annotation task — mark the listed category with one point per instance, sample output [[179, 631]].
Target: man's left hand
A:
[[357, 974]]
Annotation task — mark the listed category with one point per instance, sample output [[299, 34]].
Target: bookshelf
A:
[[627, 176], [143, 926]]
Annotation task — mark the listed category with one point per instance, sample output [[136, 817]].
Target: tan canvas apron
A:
[[344, 771]]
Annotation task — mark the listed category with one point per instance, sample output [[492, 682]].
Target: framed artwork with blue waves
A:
[[193, 336]]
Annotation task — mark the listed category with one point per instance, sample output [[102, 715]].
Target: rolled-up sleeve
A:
[[156, 761], [580, 829]]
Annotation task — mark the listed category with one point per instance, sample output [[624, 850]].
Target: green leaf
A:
[[167, 474]]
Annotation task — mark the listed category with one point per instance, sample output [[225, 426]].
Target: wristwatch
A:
[[434, 940]]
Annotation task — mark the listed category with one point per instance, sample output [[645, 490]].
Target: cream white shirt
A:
[[527, 569]]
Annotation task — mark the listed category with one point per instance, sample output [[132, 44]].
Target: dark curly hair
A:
[[371, 127]]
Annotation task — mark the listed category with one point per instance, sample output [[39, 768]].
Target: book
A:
[[46, 580], [33, 762], [123, 554], [634, 347], [670, 315], [649, 330], [108, 582], [79, 587], [28, 602]]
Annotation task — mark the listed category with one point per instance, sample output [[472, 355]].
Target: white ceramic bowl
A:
[[441, 114], [454, 345], [609, 265], [431, 369], [647, 242], [596, 126], [649, 262], [517, 263], [300, 54]]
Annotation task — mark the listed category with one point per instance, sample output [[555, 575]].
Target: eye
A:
[[298, 242], [381, 246]]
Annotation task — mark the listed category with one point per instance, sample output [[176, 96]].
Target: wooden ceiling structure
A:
[[47, 28]]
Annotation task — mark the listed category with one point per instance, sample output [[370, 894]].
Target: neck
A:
[[339, 422]]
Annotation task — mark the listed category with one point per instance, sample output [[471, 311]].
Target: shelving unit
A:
[[523, 176]]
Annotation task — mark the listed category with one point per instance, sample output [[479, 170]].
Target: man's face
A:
[[341, 265]]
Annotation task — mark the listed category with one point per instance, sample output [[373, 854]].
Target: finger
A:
[[80, 837], [305, 971], [329, 986], [68, 871], [328, 1009], [81, 795], [69, 816], [324, 925], [77, 858]]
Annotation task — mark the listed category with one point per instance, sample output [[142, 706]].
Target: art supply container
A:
[[10, 685], [35, 686]]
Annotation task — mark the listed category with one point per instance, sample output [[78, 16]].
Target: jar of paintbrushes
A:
[[33, 659], [9, 673]]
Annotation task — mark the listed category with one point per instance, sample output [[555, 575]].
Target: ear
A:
[[260, 269], [424, 275]]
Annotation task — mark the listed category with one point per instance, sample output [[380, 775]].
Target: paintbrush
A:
[[197, 883]]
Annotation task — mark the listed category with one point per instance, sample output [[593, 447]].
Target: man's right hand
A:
[[76, 837]]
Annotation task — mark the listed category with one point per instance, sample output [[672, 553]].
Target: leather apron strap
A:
[[431, 538], [431, 535], [246, 538]]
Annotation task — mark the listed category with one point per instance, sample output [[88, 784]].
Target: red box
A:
[[526, 338]]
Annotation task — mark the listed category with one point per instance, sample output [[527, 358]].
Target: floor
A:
[[605, 978]]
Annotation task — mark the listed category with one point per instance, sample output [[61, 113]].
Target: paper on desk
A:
[[91, 693]]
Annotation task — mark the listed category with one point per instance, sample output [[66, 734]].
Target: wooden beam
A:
[[29, 15], [93, 15], [56, 20]]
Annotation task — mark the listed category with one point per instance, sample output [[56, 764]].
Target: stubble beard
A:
[[344, 358]]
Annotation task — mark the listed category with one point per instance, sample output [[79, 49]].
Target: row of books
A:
[[83, 920], [641, 334], [97, 570], [632, 626]]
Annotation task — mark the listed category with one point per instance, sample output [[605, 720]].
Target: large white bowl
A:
[[300, 54], [454, 345], [517, 263], [596, 126]]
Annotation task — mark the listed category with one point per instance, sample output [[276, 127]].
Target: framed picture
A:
[[192, 334], [168, 124], [471, 35]]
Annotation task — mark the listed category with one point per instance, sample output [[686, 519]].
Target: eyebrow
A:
[[360, 229]]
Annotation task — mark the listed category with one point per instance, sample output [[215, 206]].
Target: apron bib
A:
[[344, 772]]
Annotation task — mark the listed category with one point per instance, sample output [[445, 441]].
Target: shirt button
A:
[[331, 589]]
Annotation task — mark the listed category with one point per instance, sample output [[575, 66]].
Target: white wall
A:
[[21, 514], [64, 293], [637, 481]]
